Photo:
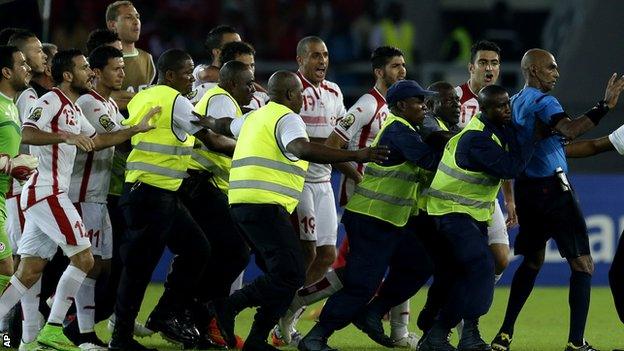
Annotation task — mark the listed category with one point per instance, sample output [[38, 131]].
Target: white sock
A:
[[31, 324], [497, 277], [11, 295], [399, 319], [238, 283], [85, 306], [327, 286], [65, 293]]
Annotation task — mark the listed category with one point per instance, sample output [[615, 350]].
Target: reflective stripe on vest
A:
[[261, 173], [457, 190], [203, 158], [388, 193], [158, 157]]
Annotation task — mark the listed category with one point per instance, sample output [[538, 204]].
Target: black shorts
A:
[[546, 211]]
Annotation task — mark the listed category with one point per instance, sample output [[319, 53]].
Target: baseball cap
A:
[[404, 89]]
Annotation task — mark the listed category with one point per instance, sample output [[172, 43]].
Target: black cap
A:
[[404, 89]]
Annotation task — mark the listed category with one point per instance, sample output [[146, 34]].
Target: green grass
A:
[[542, 325]]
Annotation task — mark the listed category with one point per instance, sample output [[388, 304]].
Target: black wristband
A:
[[597, 112]]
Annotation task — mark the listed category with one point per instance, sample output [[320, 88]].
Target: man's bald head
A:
[[539, 69], [285, 88]]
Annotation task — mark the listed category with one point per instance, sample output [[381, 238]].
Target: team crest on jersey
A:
[[346, 121], [106, 123], [35, 114], [2, 247]]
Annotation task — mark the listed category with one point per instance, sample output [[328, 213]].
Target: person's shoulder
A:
[[365, 103], [331, 87], [90, 102], [27, 95], [51, 99], [143, 53]]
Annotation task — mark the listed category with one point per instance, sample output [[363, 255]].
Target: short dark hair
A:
[[100, 37], [483, 45], [112, 10], [63, 62], [229, 51], [6, 56], [171, 60], [215, 36], [383, 54], [440, 85], [6, 33], [20, 37], [231, 70], [100, 56], [487, 92], [302, 45]]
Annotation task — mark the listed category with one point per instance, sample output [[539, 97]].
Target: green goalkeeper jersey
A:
[[10, 135]]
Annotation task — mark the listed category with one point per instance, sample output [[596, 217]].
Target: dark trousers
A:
[[373, 246], [472, 271], [156, 218], [230, 254], [272, 238], [616, 280]]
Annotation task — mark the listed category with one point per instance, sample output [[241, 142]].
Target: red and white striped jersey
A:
[[24, 102], [469, 103], [322, 107], [54, 113], [91, 175], [359, 127]]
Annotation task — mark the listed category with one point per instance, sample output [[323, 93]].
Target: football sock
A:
[[521, 287], [30, 313], [11, 295], [580, 290], [68, 286], [85, 306], [399, 319]]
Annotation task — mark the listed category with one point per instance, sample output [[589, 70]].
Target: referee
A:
[[266, 179], [546, 203]]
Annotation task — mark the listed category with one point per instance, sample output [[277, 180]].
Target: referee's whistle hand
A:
[[373, 154]]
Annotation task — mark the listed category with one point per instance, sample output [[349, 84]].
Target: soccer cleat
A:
[[371, 325], [410, 340], [174, 328], [501, 342], [471, 338], [52, 336], [87, 346], [225, 316], [277, 339], [313, 343], [436, 340], [139, 329], [286, 324], [585, 347], [31, 346]]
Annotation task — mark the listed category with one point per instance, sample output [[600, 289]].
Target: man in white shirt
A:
[[54, 129]]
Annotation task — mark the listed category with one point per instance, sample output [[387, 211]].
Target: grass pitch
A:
[[542, 325]]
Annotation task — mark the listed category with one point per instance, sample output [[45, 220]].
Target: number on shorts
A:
[[308, 224]]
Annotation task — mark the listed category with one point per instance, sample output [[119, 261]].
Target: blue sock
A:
[[580, 289], [521, 287]]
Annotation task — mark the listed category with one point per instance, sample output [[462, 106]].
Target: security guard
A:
[[376, 217], [461, 198], [266, 179], [204, 193], [153, 212]]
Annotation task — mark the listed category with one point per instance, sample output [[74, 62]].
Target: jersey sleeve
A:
[[183, 115], [221, 106], [548, 106], [289, 128], [98, 115], [25, 102], [237, 125], [359, 115], [85, 126], [42, 112]]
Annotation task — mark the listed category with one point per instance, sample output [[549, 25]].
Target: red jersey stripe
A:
[[62, 221]]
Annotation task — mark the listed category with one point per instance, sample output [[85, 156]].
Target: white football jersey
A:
[[358, 128], [54, 113], [91, 175], [322, 107], [24, 102], [469, 104]]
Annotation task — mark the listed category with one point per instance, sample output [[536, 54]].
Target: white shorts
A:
[[50, 223], [497, 231], [15, 222], [316, 214], [98, 226]]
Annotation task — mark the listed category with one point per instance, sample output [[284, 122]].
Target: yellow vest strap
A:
[[384, 197], [458, 199], [268, 163], [142, 166], [163, 149], [466, 177], [264, 185]]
